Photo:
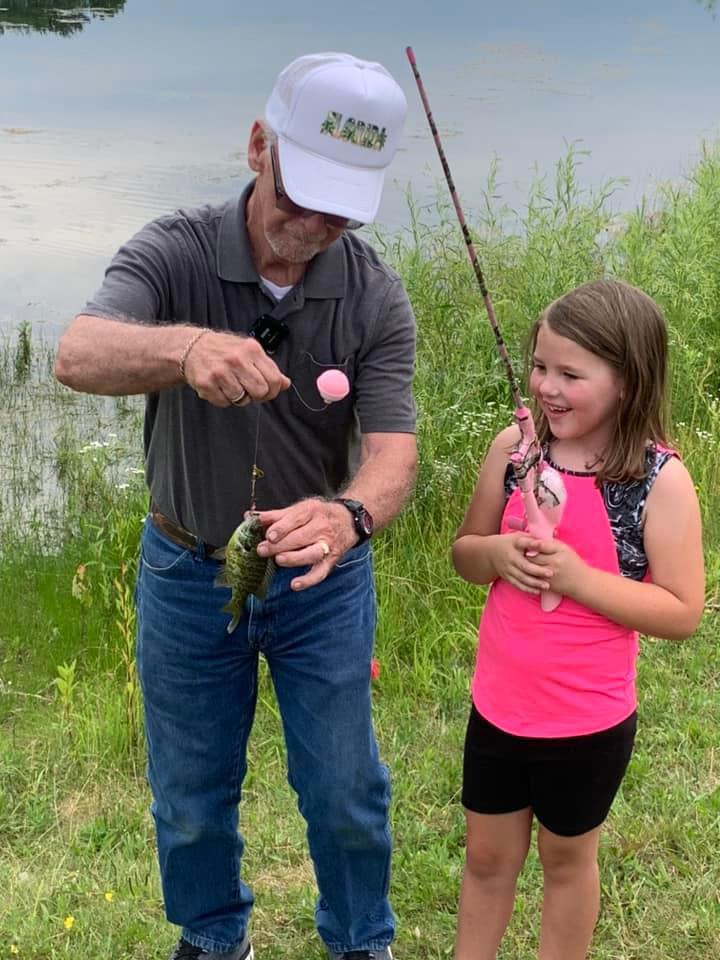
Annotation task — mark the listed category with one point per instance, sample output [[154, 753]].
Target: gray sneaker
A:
[[187, 951], [384, 954]]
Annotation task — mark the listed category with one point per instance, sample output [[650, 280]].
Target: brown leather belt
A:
[[178, 534]]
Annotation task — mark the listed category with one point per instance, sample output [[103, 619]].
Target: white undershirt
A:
[[277, 292]]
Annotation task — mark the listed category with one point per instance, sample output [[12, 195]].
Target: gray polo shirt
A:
[[349, 311]]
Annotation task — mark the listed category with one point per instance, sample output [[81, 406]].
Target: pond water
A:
[[112, 114]]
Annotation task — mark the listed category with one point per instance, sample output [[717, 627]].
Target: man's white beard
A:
[[294, 249]]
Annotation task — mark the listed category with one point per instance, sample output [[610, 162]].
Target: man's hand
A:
[[312, 532], [511, 562], [223, 367]]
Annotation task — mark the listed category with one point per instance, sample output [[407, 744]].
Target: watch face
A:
[[362, 519], [366, 522]]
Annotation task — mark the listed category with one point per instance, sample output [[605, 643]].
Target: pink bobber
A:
[[333, 385]]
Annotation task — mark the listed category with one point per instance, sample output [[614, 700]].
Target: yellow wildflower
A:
[[14, 949], [109, 896], [69, 922]]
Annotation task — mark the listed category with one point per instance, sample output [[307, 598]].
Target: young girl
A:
[[553, 718]]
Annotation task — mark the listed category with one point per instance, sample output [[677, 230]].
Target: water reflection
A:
[[26, 16], [52, 437], [84, 165]]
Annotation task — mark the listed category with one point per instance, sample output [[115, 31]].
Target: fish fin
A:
[[236, 607], [221, 580], [236, 610], [219, 554], [266, 580]]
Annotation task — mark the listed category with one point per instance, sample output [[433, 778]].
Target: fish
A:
[[245, 572]]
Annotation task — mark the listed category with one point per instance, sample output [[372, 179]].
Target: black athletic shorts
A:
[[569, 782]]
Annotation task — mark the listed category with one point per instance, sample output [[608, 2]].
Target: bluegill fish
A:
[[244, 572]]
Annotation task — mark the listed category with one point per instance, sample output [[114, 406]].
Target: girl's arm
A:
[[480, 553], [672, 604]]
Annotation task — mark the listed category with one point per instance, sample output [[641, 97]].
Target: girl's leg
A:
[[497, 845], [571, 893]]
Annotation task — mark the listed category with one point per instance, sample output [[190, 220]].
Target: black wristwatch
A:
[[362, 520]]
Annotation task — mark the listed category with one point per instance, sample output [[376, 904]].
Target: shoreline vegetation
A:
[[41, 16], [76, 838]]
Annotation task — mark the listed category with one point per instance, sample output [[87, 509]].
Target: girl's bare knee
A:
[[567, 859], [487, 862], [497, 845]]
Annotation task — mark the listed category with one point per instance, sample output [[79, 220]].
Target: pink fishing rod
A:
[[541, 487]]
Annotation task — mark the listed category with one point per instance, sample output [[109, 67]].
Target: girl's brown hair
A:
[[625, 328]]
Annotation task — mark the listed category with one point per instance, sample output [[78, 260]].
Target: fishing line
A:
[[305, 403], [256, 473], [332, 385]]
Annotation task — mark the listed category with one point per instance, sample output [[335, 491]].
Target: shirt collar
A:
[[324, 278]]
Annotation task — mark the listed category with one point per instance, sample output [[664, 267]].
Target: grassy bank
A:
[[76, 846]]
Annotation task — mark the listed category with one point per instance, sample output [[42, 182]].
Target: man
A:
[[224, 317]]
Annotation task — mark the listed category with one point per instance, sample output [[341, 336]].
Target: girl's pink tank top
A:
[[564, 673]]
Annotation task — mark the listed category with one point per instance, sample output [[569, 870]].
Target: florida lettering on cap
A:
[[354, 131]]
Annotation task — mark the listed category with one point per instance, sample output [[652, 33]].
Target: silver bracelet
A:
[[188, 347]]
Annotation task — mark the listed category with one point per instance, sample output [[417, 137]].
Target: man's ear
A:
[[256, 153]]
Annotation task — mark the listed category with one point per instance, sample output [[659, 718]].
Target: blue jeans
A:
[[200, 689]]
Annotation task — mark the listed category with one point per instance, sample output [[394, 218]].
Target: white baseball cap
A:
[[338, 122]]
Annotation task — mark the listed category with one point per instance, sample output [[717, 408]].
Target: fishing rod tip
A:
[[410, 55]]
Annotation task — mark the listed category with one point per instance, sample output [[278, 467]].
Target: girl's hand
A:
[[511, 563], [564, 568]]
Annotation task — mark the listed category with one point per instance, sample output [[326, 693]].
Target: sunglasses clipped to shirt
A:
[[284, 203]]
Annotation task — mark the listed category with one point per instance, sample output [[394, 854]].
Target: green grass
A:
[[76, 838]]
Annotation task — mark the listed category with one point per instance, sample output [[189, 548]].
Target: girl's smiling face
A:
[[579, 392]]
